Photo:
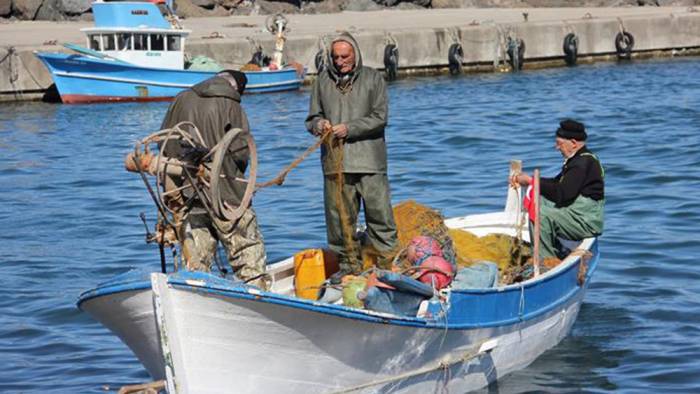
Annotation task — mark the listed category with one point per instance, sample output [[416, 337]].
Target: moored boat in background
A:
[[135, 54]]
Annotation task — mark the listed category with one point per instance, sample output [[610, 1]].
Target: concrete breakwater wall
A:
[[425, 49]]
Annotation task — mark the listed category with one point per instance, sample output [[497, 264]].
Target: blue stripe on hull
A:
[[76, 75], [467, 310]]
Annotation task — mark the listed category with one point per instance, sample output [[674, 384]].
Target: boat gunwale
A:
[[254, 294], [108, 60]]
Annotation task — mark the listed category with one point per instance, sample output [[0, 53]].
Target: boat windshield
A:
[[94, 40], [123, 41], [140, 42], [173, 42], [108, 42], [157, 42]]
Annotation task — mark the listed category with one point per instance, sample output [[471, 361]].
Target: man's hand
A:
[[340, 130], [520, 179], [321, 126]]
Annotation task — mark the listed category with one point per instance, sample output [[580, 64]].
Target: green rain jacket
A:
[[363, 107], [214, 106]]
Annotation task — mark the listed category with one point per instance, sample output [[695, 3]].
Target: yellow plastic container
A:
[[309, 273]]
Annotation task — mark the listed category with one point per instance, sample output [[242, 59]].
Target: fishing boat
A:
[[133, 53], [205, 334]]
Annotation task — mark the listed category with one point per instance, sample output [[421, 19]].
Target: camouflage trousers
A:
[[242, 240]]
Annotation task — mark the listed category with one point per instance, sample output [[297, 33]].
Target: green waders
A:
[[373, 189], [582, 219]]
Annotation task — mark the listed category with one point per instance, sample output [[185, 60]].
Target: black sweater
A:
[[582, 174]]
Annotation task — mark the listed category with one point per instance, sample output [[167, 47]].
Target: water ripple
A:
[[69, 213]]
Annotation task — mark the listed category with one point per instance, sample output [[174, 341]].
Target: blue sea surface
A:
[[69, 213]]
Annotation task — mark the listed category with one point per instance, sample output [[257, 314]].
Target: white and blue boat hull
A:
[[217, 335], [205, 334], [86, 79]]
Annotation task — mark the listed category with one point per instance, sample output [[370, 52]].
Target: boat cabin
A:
[[137, 33]]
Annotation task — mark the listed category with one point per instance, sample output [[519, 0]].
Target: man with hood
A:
[[214, 107], [350, 101]]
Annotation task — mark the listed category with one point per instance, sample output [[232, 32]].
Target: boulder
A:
[[362, 5], [74, 7], [208, 4], [186, 9], [668, 3], [5, 8], [50, 10], [26, 9], [277, 7], [324, 7]]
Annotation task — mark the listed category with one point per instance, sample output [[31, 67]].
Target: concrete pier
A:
[[422, 36]]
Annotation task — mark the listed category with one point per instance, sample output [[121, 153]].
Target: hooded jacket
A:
[[359, 100], [214, 106]]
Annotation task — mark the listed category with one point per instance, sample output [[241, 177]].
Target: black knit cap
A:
[[572, 130], [239, 76]]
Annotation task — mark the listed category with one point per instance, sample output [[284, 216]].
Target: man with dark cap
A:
[[350, 101], [572, 203], [214, 107]]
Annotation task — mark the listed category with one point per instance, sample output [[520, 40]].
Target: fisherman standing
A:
[[572, 207], [213, 106], [350, 101]]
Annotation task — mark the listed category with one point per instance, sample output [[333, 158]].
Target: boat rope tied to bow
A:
[[444, 365]]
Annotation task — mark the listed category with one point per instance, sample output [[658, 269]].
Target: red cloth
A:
[[529, 203]]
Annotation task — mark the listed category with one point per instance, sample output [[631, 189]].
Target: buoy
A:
[[320, 61], [421, 247], [516, 53], [455, 57], [391, 61], [624, 42], [570, 49], [438, 272]]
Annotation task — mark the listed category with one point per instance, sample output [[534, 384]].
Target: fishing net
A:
[[334, 148], [501, 249], [414, 219], [461, 247]]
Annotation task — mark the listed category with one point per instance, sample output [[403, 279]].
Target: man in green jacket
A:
[[214, 107], [573, 201], [351, 100]]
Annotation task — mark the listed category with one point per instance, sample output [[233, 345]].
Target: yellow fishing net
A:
[[413, 219]]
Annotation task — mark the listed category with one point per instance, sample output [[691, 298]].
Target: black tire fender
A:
[[391, 61], [570, 48], [516, 61], [455, 58], [320, 62], [570, 44], [624, 42]]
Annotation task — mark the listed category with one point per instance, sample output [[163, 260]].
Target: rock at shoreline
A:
[[25, 9], [80, 9], [5, 8]]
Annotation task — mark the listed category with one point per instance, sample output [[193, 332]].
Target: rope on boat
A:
[[443, 365], [203, 172], [585, 256], [279, 179]]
